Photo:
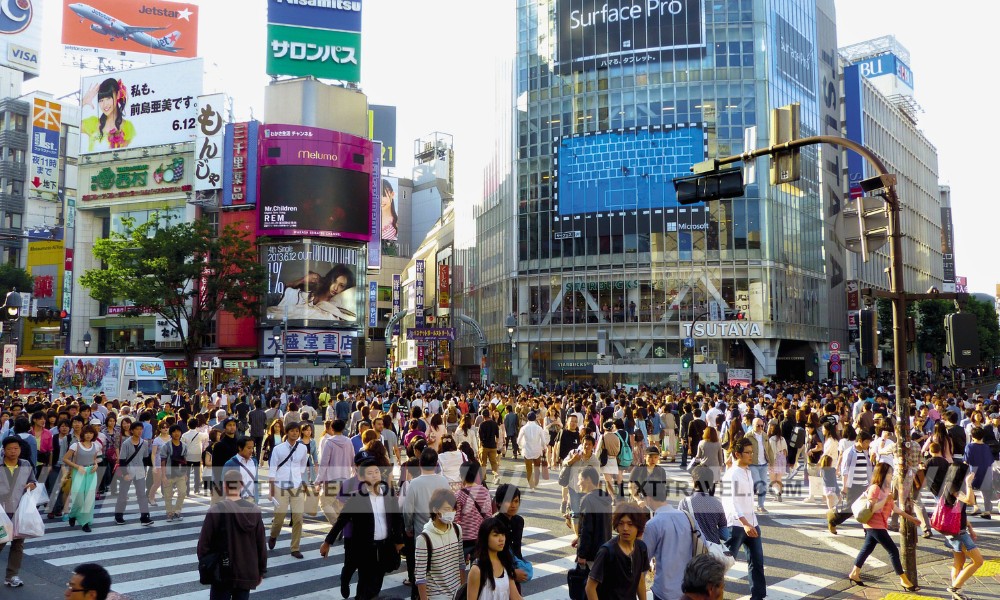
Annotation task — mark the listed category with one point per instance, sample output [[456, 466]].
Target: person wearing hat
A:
[[533, 440], [644, 479]]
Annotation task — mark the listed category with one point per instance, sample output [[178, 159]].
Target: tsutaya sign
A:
[[723, 329]]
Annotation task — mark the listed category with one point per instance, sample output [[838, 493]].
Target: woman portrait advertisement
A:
[[390, 219], [107, 129], [326, 297]]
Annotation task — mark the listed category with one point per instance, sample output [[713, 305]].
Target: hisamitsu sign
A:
[[430, 333]]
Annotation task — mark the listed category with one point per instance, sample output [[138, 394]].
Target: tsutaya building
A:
[[610, 278]]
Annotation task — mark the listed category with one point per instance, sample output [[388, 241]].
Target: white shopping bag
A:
[[27, 521], [6, 527]]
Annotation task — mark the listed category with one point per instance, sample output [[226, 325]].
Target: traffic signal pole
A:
[[897, 295]]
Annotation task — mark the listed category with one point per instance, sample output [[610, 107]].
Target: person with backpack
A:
[[492, 572], [473, 505], [439, 565]]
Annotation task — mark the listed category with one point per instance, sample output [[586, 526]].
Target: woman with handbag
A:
[[957, 495], [82, 458], [813, 450], [275, 435], [879, 498], [232, 557]]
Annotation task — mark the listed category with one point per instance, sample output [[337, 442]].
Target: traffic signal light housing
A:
[[962, 341], [785, 164], [868, 336], [316, 359], [711, 185], [64, 324], [687, 359]]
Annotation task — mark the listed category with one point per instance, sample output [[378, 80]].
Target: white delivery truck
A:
[[120, 377]]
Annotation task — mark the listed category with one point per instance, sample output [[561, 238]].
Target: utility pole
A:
[[710, 183]]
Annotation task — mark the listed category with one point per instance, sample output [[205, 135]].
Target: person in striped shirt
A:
[[440, 563]]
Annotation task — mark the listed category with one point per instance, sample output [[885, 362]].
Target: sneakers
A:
[[86, 528], [119, 520], [170, 517], [178, 517], [146, 523], [13, 582]]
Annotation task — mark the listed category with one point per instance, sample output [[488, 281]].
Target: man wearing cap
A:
[[532, 440], [645, 479]]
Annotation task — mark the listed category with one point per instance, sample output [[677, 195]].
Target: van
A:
[[121, 377]]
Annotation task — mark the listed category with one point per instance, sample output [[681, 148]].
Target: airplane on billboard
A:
[[115, 28]]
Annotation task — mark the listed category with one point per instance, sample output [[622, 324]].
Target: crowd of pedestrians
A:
[[412, 475]]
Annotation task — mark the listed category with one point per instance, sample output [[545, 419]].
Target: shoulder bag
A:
[[947, 519], [699, 545]]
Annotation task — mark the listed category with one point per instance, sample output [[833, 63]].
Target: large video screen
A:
[[307, 200], [313, 284], [627, 169], [599, 34]]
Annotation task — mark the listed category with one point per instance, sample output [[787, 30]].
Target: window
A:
[[208, 339]]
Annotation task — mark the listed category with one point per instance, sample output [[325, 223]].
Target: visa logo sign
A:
[[42, 144], [22, 56]]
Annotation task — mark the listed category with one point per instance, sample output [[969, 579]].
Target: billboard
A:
[[21, 35], [320, 53], [375, 219], [138, 179], [644, 162], [598, 34], [315, 182], [418, 288], [43, 161], [341, 15], [131, 29], [151, 106], [796, 56], [314, 284], [209, 142], [854, 127], [239, 169], [317, 342], [390, 213], [382, 128], [88, 376]]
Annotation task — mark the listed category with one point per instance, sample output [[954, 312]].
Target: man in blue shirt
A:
[[363, 426], [668, 538], [980, 458]]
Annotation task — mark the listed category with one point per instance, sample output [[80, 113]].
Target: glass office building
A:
[[615, 280]]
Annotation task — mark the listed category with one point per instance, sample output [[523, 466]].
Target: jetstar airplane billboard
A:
[[131, 29]]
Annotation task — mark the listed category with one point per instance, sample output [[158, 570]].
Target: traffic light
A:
[[868, 336], [64, 324], [316, 359], [711, 185], [962, 339], [688, 358], [785, 124]]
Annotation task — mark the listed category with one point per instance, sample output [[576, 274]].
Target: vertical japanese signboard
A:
[[373, 303], [375, 244], [444, 286], [397, 300], [239, 176], [418, 288], [43, 164], [210, 141]]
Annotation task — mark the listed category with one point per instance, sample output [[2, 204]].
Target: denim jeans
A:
[[755, 559], [879, 537], [760, 482]]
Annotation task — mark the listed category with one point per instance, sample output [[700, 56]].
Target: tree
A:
[[930, 330], [15, 278], [182, 272]]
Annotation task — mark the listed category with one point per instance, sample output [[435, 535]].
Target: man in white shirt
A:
[[532, 439], [246, 464], [762, 457], [286, 487], [741, 518]]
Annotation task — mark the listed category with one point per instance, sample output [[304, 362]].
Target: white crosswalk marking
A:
[[796, 587]]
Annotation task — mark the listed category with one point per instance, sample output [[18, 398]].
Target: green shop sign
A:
[[136, 176], [321, 53], [594, 286]]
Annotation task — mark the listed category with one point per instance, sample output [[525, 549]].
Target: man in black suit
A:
[[374, 515]]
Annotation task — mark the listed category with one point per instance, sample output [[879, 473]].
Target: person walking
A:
[[959, 490], [17, 478], [82, 458], [472, 505], [416, 506], [132, 474], [258, 426], [979, 456], [668, 539], [744, 531], [233, 530], [489, 435], [856, 473], [194, 441], [778, 463], [286, 487], [593, 520], [175, 474], [621, 564], [532, 440], [376, 532], [491, 576], [760, 461], [246, 463], [336, 466], [439, 564], [879, 493]]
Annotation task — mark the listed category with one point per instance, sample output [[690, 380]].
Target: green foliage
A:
[[15, 278], [180, 271], [930, 327]]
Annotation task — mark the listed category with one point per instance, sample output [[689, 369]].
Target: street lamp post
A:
[[276, 334], [86, 343], [511, 326]]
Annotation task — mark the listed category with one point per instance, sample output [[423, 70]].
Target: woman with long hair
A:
[[491, 576], [450, 459], [389, 217], [275, 435], [877, 528], [710, 453], [110, 130], [159, 465], [940, 435], [314, 296], [82, 458], [958, 490], [466, 432], [779, 450], [436, 432]]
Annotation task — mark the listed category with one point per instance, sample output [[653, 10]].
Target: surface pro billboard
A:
[[315, 182], [598, 34]]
